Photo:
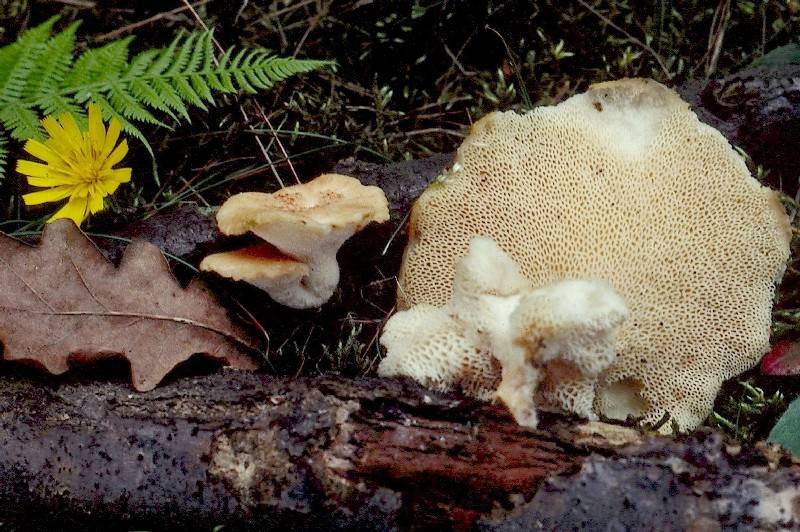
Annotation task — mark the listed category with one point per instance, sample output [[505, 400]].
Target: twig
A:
[[523, 90], [241, 108], [158, 16], [261, 147], [455, 61], [321, 12], [241, 10], [302, 352], [257, 325], [630, 37], [375, 337], [427, 131], [716, 34], [278, 141], [88, 4], [400, 226], [290, 8]]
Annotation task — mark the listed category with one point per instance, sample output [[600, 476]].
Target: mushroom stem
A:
[[318, 286], [314, 246]]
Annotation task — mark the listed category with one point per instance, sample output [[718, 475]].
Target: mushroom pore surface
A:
[[623, 184]]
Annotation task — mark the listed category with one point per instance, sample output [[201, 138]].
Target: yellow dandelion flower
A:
[[78, 165]]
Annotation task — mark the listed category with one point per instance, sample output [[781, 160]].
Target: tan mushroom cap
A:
[[624, 184], [330, 201], [255, 264], [307, 224]]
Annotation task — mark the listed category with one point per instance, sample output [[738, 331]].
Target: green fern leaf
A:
[[52, 64], [145, 94], [182, 58], [56, 105], [128, 106], [18, 59], [170, 96], [141, 63], [202, 88], [95, 68], [109, 112], [3, 156], [22, 122]]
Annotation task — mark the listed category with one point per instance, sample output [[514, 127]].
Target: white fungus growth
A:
[[560, 336]]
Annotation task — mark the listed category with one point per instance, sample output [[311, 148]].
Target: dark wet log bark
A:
[[758, 110], [250, 451]]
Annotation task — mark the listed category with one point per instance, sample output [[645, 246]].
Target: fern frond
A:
[[186, 74], [56, 105], [18, 59], [22, 122], [52, 64], [109, 111], [3, 156], [95, 69]]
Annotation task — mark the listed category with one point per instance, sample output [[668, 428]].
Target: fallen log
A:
[[249, 451]]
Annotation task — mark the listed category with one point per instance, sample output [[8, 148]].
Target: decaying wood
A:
[[251, 451]]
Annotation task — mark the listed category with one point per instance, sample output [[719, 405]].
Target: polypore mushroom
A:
[[566, 333], [449, 347], [563, 332], [624, 184], [304, 226]]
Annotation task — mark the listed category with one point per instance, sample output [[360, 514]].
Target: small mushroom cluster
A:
[[303, 227], [546, 339]]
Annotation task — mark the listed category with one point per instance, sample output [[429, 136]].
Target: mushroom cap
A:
[[305, 223], [621, 183], [261, 265], [331, 201], [252, 263], [568, 329], [452, 347]]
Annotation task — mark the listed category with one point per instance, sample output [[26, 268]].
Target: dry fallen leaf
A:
[[63, 303]]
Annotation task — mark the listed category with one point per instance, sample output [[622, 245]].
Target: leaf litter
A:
[[63, 304]]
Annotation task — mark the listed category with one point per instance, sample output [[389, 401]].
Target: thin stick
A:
[[78, 3], [278, 141], [130, 27], [630, 37], [246, 117], [400, 226], [716, 34]]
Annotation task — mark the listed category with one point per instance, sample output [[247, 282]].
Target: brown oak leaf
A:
[[63, 303]]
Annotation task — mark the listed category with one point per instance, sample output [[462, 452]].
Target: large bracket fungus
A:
[[621, 183], [303, 226]]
